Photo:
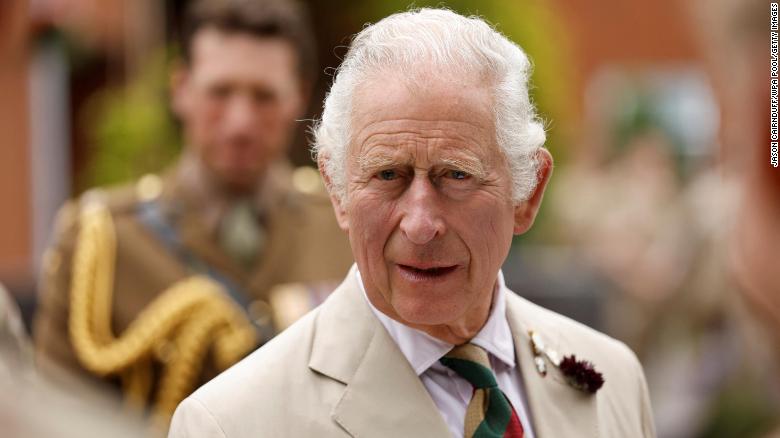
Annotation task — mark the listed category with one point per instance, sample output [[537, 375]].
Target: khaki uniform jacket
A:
[[338, 373], [304, 245]]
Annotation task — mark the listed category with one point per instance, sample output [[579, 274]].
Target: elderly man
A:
[[433, 157]]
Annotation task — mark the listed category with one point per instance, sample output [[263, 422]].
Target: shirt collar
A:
[[423, 350], [192, 191]]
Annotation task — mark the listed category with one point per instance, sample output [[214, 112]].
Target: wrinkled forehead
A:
[[388, 103], [427, 119], [426, 94]]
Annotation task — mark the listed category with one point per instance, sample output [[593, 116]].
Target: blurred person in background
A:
[[692, 255], [657, 237], [626, 214], [158, 285], [738, 31]]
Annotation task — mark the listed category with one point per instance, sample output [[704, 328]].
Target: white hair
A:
[[413, 42]]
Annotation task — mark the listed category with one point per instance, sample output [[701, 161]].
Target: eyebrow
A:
[[472, 167], [370, 163]]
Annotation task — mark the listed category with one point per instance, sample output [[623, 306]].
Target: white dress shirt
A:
[[450, 392]]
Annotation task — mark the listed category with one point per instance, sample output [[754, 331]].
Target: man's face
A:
[[429, 206], [238, 99]]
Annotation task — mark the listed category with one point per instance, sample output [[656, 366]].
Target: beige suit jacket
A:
[[338, 373]]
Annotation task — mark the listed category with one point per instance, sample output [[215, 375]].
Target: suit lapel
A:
[[382, 395], [556, 408]]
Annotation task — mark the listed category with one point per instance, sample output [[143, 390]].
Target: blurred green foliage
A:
[[742, 409], [130, 128]]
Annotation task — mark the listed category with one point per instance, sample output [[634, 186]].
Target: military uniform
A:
[[164, 231]]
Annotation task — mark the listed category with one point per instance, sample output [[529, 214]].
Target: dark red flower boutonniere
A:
[[580, 374]]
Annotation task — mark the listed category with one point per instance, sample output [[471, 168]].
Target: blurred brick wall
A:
[[632, 35], [15, 242]]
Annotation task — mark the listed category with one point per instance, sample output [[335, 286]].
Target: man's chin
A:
[[238, 180], [428, 310]]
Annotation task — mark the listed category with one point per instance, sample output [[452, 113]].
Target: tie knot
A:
[[240, 233], [471, 362]]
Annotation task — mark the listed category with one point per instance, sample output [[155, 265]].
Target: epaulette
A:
[[124, 198], [306, 179], [308, 190], [149, 187]]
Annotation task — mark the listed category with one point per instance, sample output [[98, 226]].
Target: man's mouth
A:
[[417, 273]]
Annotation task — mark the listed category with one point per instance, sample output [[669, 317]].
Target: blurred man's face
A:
[[238, 100], [429, 206]]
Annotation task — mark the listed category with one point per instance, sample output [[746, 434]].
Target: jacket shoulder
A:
[[624, 399], [568, 335], [285, 354], [279, 389], [272, 390], [119, 200]]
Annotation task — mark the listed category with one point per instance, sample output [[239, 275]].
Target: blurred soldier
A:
[[159, 285]]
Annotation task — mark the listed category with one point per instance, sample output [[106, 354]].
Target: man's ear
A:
[[338, 206], [178, 83], [525, 212]]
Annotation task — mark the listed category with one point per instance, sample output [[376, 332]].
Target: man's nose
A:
[[422, 219], [239, 114]]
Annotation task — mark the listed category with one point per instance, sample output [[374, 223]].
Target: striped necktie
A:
[[489, 413]]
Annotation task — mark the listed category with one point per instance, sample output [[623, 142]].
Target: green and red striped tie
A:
[[489, 413]]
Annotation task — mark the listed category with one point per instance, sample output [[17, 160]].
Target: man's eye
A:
[[264, 96], [220, 91], [457, 174], [388, 175]]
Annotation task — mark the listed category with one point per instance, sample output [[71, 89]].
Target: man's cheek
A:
[[369, 232]]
